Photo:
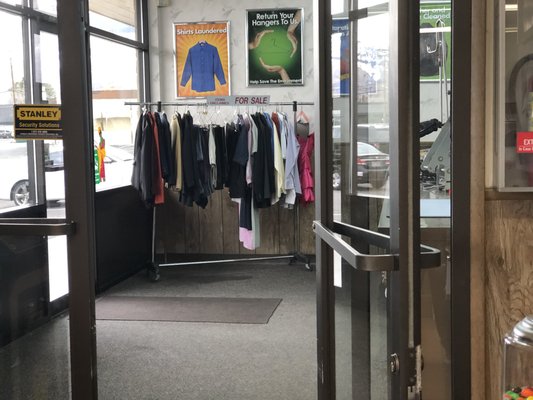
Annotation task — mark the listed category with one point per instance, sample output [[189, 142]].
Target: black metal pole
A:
[[79, 193]]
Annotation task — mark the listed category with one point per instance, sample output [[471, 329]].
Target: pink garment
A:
[[307, 146], [246, 236]]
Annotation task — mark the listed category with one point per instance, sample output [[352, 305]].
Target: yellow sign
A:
[[38, 121], [42, 113]]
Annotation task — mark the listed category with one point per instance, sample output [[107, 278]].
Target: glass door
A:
[[48, 91], [29, 74], [368, 240]]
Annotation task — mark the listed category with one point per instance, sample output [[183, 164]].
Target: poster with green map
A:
[[275, 48]]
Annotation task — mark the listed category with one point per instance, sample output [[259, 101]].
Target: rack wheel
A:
[[153, 272]]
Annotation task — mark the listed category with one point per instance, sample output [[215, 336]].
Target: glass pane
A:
[[36, 365], [46, 6], [360, 157], [13, 2], [360, 182], [515, 95], [371, 3], [360, 335], [14, 187], [114, 123], [115, 16], [47, 60], [435, 177]]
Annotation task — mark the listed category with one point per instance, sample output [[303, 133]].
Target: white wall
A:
[[234, 11]]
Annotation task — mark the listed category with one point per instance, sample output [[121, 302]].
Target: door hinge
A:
[[416, 361], [416, 364]]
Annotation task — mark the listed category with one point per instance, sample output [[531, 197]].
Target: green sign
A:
[[275, 48], [435, 40]]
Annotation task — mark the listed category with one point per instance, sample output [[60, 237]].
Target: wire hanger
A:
[[302, 117]]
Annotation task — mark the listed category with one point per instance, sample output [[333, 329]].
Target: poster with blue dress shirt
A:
[[275, 47], [202, 59]]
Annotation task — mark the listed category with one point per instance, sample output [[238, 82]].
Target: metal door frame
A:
[[405, 322], [461, 184], [79, 193], [74, 38]]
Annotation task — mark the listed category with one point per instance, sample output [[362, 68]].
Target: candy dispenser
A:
[[518, 361]]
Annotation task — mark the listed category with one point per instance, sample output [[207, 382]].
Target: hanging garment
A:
[[164, 145], [170, 151], [142, 159], [252, 147], [279, 169], [212, 158], [221, 156], [237, 175], [249, 228], [175, 134], [202, 65], [232, 137], [263, 165], [292, 176], [275, 119], [193, 189], [282, 130], [157, 177], [307, 145], [204, 164]]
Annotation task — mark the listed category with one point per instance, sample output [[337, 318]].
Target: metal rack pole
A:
[[153, 268]]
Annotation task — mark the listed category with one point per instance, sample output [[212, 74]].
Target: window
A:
[[115, 16], [14, 185], [46, 6], [514, 96], [115, 121]]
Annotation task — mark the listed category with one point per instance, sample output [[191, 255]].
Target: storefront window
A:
[[115, 16], [114, 123], [13, 156], [46, 6], [514, 96]]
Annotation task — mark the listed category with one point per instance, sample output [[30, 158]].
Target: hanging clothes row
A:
[[198, 159], [258, 157]]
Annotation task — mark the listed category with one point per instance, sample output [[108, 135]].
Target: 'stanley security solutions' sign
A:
[[38, 121]]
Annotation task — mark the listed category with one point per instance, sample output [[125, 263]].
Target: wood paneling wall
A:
[[215, 229], [509, 278]]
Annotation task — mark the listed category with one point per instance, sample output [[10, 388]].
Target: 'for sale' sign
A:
[[524, 142]]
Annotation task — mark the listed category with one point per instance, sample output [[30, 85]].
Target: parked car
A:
[[14, 182], [5, 134], [372, 166]]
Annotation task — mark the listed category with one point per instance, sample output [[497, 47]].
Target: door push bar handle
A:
[[363, 262], [429, 257], [36, 226]]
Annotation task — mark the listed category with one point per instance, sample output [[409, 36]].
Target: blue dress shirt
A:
[[202, 64]]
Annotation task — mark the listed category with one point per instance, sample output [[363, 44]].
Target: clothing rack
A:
[[297, 256]]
